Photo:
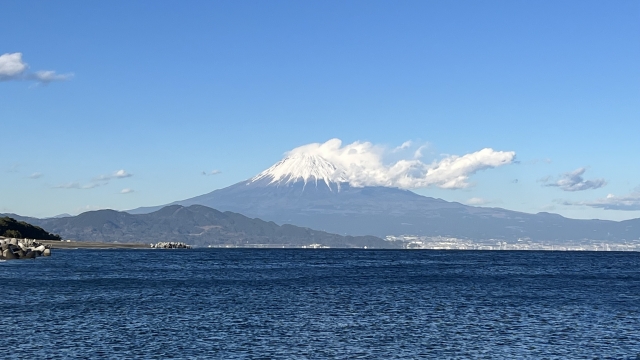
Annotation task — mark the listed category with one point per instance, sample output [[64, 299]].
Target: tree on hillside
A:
[[12, 228]]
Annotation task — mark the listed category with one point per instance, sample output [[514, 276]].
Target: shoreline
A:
[[70, 245]]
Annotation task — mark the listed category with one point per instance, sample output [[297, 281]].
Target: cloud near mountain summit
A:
[[362, 164]]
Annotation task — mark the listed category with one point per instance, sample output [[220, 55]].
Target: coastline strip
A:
[[92, 245]]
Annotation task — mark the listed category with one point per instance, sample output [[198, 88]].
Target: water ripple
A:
[[309, 304]]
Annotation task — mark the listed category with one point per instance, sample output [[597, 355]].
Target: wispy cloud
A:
[[12, 67], [120, 174], [416, 147], [71, 185], [212, 172], [47, 76], [478, 201], [548, 207], [78, 186], [36, 175], [13, 168], [573, 181], [96, 181], [418, 153], [405, 145], [362, 164], [630, 202], [545, 179], [126, 191]]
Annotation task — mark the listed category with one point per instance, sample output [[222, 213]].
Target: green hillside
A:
[[196, 225], [12, 228]]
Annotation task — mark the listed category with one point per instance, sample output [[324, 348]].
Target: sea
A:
[[321, 304]]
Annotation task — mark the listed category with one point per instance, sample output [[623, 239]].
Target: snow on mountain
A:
[[307, 189], [308, 168]]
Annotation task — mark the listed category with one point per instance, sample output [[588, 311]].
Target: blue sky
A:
[[165, 90]]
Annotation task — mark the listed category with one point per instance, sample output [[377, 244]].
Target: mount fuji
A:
[[301, 169], [308, 190]]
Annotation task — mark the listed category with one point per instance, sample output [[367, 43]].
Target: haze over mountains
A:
[[305, 199], [307, 190]]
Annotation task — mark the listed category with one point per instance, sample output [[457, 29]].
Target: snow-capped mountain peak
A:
[[308, 168]]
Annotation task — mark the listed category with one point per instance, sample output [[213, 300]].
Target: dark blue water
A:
[[313, 304]]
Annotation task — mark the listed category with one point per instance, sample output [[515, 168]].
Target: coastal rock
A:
[[11, 249], [8, 255], [171, 245]]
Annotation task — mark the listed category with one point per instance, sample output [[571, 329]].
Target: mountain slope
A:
[[10, 227], [382, 211], [311, 192], [303, 168], [196, 225]]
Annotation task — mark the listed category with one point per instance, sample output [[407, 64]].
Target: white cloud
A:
[[126, 191], [36, 175], [120, 174], [573, 181], [12, 67], [212, 172], [361, 164], [630, 202]]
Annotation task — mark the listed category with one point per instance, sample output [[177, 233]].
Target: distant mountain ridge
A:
[[310, 192], [195, 225]]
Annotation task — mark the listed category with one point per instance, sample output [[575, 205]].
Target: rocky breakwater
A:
[[170, 245], [11, 249]]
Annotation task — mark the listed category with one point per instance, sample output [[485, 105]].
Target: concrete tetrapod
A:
[[13, 248]]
